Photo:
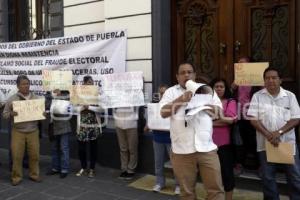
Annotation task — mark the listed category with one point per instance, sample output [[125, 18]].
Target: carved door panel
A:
[[213, 34], [202, 30], [265, 30]]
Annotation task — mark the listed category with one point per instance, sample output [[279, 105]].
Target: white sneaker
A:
[[82, 172], [156, 188], [177, 190]]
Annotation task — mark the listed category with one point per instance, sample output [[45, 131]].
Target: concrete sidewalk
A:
[[105, 186]]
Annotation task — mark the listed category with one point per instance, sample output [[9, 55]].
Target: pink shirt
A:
[[221, 134], [244, 97]]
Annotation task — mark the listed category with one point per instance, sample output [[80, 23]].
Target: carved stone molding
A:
[[183, 4]]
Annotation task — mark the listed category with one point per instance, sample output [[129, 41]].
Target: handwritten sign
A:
[[29, 110], [249, 73], [56, 80], [155, 121], [284, 153], [84, 95], [122, 90]]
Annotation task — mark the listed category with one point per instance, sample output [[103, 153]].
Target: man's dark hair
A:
[[87, 78], [272, 69], [188, 63], [227, 93], [22, 77]]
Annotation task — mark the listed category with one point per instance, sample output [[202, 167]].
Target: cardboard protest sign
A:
[[249, 73], [284, 153], [84, 95], [29, 110], [57, 80]]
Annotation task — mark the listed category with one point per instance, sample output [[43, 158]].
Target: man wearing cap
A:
[[188, 154]]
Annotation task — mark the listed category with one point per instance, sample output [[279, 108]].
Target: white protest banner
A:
[[155, 121], [57, 80], [249, 73], [93, 54], [29, 110], [122, 90], [84, 95]]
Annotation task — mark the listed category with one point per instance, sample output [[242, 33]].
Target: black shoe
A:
[[123, 175], [52, 172], [63, 175], [129, 176]]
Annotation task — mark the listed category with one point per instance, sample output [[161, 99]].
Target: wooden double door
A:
[[214, 34]]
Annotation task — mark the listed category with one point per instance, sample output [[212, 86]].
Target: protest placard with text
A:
[[249, 73], [29, 110], [61, 80], [84, 95], [122, 90]]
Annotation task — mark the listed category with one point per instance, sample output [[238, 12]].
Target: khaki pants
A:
[[185, 167], [18, 142], [128, 142]]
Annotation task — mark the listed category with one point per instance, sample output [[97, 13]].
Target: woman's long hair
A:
[[227, 93]]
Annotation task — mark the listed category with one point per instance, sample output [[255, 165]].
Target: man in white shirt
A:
[[188, 157], [275, 113], [126, 120]]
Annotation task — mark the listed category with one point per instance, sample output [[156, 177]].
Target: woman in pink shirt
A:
[[221, 135]]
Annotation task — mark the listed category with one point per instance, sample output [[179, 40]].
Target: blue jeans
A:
[[269, 177], [60, 153], [160, 151]]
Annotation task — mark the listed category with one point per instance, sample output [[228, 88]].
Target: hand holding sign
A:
[[28, 110]]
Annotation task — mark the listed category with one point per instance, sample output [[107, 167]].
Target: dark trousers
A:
[[270, 189], [82, 151], [247, 153]]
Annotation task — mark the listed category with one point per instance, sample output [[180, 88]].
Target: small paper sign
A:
[[29, 110], [57, 80], [84, 95], [249, 73], [155, 121], [284, 153]]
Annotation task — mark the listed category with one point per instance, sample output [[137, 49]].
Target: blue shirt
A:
[[161, 136]]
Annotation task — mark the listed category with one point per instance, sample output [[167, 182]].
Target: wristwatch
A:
[[280, 132]]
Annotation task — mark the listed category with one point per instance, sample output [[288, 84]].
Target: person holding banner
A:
[[190, 155], [161, 147], [274, 113], [126, 122], [59, 132], [88, 130], [23, 134], [245, 153]]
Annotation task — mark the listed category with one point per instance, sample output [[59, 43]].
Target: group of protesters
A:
[[200, 143]]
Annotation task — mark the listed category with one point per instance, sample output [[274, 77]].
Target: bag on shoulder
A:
[[235, 135]]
